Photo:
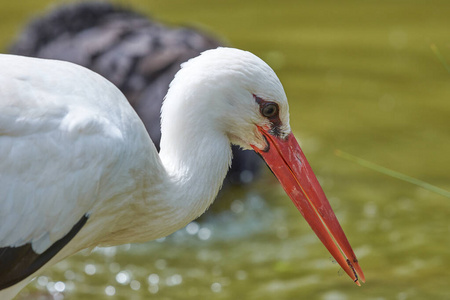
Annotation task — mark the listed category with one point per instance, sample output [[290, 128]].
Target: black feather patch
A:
[[17, 263]]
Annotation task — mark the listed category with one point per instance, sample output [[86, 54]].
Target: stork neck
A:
[[180, 188], [196, 161]]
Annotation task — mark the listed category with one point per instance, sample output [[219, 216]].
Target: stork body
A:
[[79, 169]]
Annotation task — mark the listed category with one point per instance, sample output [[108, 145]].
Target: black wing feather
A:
[[17, 263]]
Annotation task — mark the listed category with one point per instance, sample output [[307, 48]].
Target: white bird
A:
[[78, 168]]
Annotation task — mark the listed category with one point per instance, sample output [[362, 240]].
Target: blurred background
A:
[[361, 77]]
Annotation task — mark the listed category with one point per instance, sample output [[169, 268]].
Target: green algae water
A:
[[362, 77]]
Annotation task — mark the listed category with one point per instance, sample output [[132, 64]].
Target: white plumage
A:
[[59, 140], [72, 148]]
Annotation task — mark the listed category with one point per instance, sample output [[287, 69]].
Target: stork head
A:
[[239, 95]]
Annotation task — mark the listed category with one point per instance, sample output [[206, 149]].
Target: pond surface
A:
[[361, 77]]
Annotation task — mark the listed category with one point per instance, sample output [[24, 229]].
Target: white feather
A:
[[57, 141]]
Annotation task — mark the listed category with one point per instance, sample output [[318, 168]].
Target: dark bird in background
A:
[[140, 56]]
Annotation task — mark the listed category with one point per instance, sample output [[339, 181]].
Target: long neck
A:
[[195, 151], [196, 160], [178, 186], [168, 192]]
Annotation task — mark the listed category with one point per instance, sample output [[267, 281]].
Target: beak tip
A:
[[360, 273]]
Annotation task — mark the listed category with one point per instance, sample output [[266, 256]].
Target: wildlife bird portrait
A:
[[79, 169]]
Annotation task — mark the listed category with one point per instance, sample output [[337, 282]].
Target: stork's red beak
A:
[[287, 161]]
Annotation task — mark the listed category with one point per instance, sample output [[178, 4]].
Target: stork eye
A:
[[269, 110]]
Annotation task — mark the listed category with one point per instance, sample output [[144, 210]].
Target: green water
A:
[[361, 77]]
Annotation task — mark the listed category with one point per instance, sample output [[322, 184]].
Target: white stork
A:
[[78, 168]]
